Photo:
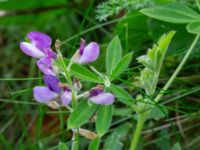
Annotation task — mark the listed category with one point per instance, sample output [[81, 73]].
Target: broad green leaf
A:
[[104, 118], [122, 95], [94, 145], [157, 113], [172, 12], [176, 146], [113, 54], [62, 146], [122, 65], [194, 27], [164, 142], [114, 140], [81, 114], [83, 73]]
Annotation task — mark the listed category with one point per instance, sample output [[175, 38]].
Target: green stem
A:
[[178, 69], [136, 136], [142, 116]]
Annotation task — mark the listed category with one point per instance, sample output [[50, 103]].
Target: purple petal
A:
[[45, 65], [95, 92], [51, 54], [66, 97], [90, 53], [43, 95], [41, 40], [52, 83], [103, 98], [30, 50]]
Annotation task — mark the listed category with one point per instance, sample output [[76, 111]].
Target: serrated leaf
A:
[[194, 27], [113, 54], [121, 66], [104, 118], [94, 145], [176, 146], [81, 114], [122, 95], [114, 140], [85, 74], [62, 146], [172, 12]]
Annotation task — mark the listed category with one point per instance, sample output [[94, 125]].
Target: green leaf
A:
[[83, 73], [62, 146], [114, 140], [122, 95], [176, 146], [122, 65], [113, 54], [104, 118], [94, 145], [194, 27], [157, 113], [81, 114], [172, 12]]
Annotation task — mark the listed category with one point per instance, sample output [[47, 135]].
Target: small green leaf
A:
[[113, 55], [176, 146], [172, 12], [94, 145], [122, 65], [81, 114], [114, 140], [104, 118], [62, 146], [198, 4], [83, 73], [122, 95], [157, 113], [194, 27]]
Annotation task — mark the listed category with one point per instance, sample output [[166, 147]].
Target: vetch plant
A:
[[63, 83]]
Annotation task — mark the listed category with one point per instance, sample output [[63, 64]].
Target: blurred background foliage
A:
[[28, 125]]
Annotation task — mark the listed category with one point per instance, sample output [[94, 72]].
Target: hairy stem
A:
[[138, 130], [178, 69]]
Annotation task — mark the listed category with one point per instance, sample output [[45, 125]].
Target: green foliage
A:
[[176, 146], [81, 114], [122, 95], [113, 7], [94, 145], [62, 146], [83, 73], [113, 55], [152, 62], [173, 12], [194, 27], [114, 140], [121, 66], [104, 119]]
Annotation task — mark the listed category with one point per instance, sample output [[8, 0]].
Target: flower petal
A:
[[41, 40], [103, 98], [52, 83], [30, 50], [66, 97], [90, 53], [44, 64], [42, 94]]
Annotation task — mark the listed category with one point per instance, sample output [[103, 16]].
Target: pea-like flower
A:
[[54, 94], [39, 47], [86, 54], [98, 96]]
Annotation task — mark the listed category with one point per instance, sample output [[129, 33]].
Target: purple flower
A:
[[52, 94], [87, 54], [98, 96], [39, 45]]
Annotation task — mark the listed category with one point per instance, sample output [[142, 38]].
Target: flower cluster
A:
[[55, 93]]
